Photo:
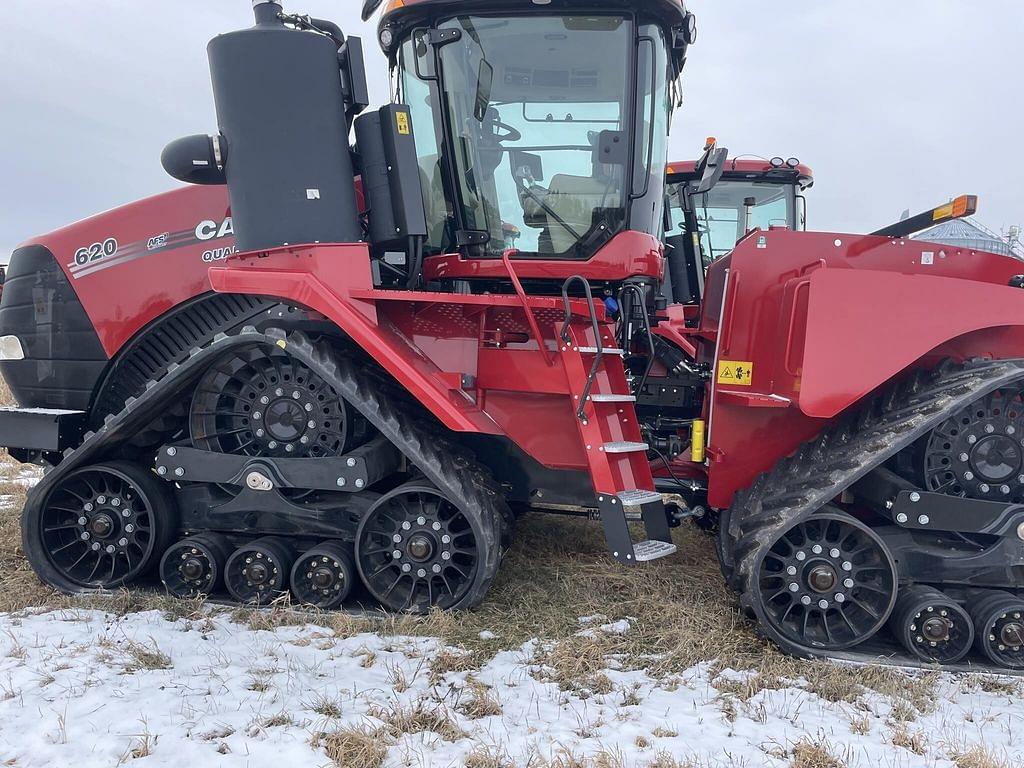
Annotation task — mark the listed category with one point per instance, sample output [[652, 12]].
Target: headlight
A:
[[10, 348]]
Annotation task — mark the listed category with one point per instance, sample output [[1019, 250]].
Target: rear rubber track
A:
[[801, 484], [452, 469]]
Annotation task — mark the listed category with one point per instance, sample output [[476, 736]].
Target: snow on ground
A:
[[84, 688]]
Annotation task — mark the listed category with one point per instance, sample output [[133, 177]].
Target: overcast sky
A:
[[896, 104]]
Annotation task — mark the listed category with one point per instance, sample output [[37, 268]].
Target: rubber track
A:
[[801, 484], [453, 470]]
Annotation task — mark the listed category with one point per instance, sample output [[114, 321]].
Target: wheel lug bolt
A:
[[304, 440], [989, 429], [801, 556], [83, 520], [968, 475], [823, 604], [289, 447], [179, 472], [834, 552], [791, 570], [88, 506], [159, 470], [406, 525], [406, 568], [436, 526], [396, 555], [421, 520], [446, 539], [260, 433], [296, 395], [840, 597], [350, 462], [397, 538], [95, 546], [311, 424], [1004, 489], [360, 482], [971, 439], [848, 583], [256, 415], [984, 488], [446, 555], [279, 392], [816, 549], [964, 457], [84, 536], [806, 600], [924, 520], [421, 573], [341, 482], [123, 542], [309, 407], [847, 566], [436, 568], [902, 517], [115, 502], [1010, 429], [794, 587], [111, 549], [101, 499], [272, 444], [129, 528], [265, 400]]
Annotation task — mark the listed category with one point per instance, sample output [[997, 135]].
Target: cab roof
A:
[[747, 168]]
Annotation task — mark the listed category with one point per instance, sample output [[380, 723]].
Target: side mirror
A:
[[711, 168], [370, 7], [197, 159]]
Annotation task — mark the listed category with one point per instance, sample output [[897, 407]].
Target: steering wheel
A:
[[502, 132]]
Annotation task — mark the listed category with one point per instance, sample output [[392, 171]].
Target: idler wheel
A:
[[323, 576], [932, 626], [999, 628], [827, 584], [257, 573], [195, 566]]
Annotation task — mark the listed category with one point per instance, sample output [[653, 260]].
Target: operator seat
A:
[[574, 199]]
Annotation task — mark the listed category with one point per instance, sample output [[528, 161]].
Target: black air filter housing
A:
[[281, 112]]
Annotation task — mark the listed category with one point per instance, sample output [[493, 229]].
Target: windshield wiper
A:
[[548, 210]]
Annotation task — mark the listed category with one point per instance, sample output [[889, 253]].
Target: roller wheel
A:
[[416, 550], [257, 573], [979, 451], [323, 576], [101, 527], [827, 584], [195, 566], [931, 626], [999, 629]]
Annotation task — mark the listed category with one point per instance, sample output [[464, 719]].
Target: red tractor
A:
[[321, 368]]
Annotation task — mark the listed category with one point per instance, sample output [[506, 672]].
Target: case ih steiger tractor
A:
[[317, 368]]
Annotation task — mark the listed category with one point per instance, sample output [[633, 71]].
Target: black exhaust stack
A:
[[283, 135]]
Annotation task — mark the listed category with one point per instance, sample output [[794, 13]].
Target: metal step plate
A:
[[623, 447], [645, 551], [593, 351], [637, 498], [613, 398]]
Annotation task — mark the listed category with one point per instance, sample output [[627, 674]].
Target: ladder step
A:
[[637, 498], [593, 351], [613, 398], [645, 551], [624, 447]]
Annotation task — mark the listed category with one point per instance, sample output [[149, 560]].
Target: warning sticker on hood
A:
[[738, 373]]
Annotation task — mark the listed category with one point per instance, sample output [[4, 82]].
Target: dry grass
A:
[[147, 657], [354, 747], [478, 701], [422, 716], [488, 757], [814, 754], [978, 757]]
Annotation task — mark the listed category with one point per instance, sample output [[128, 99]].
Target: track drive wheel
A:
[[931, 626], [323, 576], [195, 566], [416, 550], [257, 573], [999, 629], [827, 584], [101, 527]]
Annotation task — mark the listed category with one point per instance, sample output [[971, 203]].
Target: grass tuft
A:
[[353, 747]]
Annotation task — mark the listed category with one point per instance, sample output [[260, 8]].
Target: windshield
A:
[[733, 208], [541, 116]]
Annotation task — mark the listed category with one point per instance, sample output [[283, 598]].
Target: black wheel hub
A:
[[936, 629], [324, 576], [979, 452], [827, 583], [194, 566], [193, 569], [258, 572], [97, 528], [416, 550], [263, 402]]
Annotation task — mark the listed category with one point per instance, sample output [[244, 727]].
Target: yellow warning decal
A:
[[402, 118], [739, 373]]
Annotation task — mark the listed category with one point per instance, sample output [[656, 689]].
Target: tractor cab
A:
[[750, 194], [540, 131]]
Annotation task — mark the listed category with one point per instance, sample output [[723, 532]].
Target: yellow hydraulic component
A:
[[698, 434]]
